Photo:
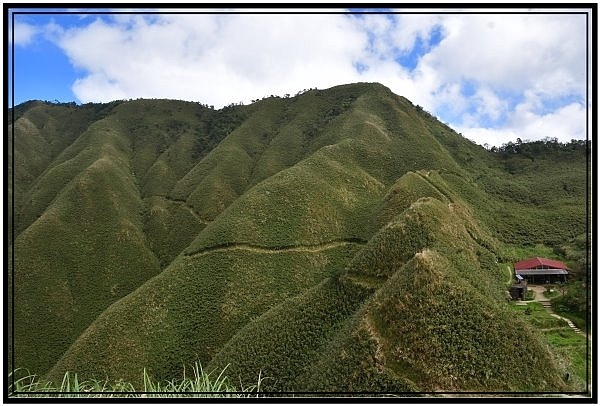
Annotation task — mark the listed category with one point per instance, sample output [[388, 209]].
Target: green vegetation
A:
[[199, 384], [573, 303], [530, 294], [571, 349], [85, 251], [366, 325], [337, 240]]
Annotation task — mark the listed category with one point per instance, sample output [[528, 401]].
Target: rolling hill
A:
[[340, 240]]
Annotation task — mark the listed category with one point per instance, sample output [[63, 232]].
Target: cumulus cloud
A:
[[493, 77], [565, 123], [513, 51], [213, 59], [519, 67], [410, 27], [24, 33]]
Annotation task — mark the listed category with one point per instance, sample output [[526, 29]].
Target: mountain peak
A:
[[326, 239]]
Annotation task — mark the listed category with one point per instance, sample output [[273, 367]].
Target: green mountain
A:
[[339, 240]]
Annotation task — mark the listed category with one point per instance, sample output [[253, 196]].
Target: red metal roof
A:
[[532, 263]]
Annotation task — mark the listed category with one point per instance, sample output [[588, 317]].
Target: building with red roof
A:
[[541, 270]]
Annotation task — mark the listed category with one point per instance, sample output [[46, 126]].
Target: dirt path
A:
[[540, 298], [193, 213], [276, 250], [185, 206], [378, 128]]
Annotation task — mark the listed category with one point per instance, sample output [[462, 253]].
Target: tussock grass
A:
[[169, 227], [199, 384]]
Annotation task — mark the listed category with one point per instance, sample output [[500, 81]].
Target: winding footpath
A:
[[255, 247], [277, 250], [189, 208], [185, 205], [541, 299]]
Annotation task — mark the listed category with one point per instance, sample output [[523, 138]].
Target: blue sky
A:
[[44, 72], [492, 77], [54, 81]]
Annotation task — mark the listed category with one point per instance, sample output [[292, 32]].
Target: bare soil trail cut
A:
[[277, 250]]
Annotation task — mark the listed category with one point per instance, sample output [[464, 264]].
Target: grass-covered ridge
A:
[[328, 239], [406, 315]]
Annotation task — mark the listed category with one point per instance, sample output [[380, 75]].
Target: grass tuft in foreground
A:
[[199, 384]]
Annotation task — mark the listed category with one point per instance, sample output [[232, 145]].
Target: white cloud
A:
[[514, 62], [539, 59], [512, 51], [412, 26], [488, 104], [93, 82], [214, 59], [24, 33], [565, 124]]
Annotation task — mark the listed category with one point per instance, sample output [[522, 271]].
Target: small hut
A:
[[541, 270], [518, 289]]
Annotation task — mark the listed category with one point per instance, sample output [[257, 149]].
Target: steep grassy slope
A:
[[192, 309], [169, 227], [322, 205], [434, 322], [302, 236], [86, 234], [418, 309], [43, 131], [543, 197], [85, 251]]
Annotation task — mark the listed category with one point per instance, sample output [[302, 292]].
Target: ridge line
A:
[[436, 187]]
